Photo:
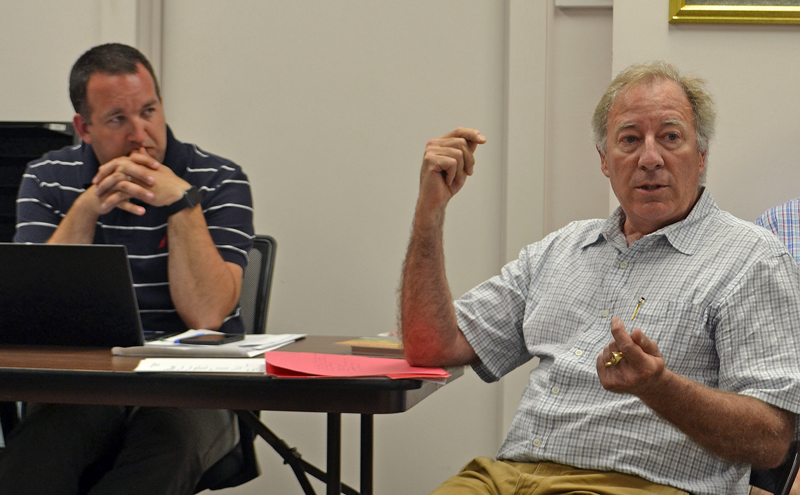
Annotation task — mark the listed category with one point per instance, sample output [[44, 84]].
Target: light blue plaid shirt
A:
[[784, 221], [722, 303]]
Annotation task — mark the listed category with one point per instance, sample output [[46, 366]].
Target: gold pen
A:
[[638, 305]]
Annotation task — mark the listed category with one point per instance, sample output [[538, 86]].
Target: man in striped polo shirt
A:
[[185, 216]]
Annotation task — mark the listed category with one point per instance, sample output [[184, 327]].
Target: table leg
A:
[[290, 455], [366, 453], [334, 454]]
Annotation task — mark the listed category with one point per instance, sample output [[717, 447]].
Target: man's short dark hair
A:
[[111, 58]]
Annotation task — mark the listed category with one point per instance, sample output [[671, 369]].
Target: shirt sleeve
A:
[[42, 203], [757, 339], [491, 317], [767, 220], [228, 209]]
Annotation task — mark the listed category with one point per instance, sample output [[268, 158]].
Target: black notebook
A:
[[75, 295]]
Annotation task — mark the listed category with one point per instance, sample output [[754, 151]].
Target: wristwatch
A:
[[190, 199]]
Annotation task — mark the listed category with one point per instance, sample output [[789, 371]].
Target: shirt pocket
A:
[[684, 339]]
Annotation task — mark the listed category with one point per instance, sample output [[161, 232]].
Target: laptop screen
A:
[[76, 295]]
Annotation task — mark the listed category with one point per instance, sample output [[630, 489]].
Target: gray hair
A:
[[702, 104]]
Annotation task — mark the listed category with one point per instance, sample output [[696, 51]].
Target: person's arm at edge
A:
[[428, 325]]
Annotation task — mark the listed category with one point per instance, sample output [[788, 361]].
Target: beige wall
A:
[[328, 104], [579, 69]]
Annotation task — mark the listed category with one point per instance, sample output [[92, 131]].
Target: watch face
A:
[[190, 199], [193, 196]]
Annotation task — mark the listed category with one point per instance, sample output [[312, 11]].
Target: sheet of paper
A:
[[295, 364], [252, 345], [201, 365]]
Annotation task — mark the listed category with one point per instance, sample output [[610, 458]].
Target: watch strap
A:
[[191, 197]]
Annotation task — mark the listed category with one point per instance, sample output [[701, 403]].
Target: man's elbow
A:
[[781, 445], [203, 323], [436, 352], [418, 354], [775, 456], [206, 320]]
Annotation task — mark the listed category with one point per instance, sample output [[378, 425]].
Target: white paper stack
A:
[[252, 345]]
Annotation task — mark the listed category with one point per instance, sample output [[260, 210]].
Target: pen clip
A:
[[638, 305]]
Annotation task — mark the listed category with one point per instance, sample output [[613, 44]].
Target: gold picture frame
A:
[[753, 12]]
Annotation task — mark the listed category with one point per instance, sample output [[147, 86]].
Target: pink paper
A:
[[297, 364]]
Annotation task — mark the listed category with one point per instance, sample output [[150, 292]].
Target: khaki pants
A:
[[487, 476]]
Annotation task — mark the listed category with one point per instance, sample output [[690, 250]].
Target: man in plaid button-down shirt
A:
[[706, 381]]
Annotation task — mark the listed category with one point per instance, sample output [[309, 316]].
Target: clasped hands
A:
[[139, 176], [640, 366]]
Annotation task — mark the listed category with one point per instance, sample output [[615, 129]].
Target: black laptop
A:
[[74, 295]]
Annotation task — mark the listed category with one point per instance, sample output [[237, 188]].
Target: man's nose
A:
[[651, 154], [138, 133]]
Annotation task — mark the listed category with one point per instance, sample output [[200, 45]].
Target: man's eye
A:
[[672, 136], [629, 139]]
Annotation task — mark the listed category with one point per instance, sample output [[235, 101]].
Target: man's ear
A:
[[603, 166], [82, 128], [703, 161]]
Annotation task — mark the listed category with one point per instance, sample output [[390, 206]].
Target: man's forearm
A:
[[431, 336], [203, 287], [78, 225], [428, 322], [736, 427]]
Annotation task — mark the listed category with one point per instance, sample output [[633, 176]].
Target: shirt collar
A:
[[685, 236]]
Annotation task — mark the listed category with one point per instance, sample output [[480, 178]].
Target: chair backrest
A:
[[256, 283], [779, 480]]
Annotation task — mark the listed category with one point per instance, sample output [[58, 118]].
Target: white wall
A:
[[579, 70], [36, 60], [40, 40]]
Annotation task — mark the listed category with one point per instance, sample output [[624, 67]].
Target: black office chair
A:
[[778, 480], [256, 283], [241, 465]]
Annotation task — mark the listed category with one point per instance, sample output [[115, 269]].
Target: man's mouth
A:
[[650, 187]]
